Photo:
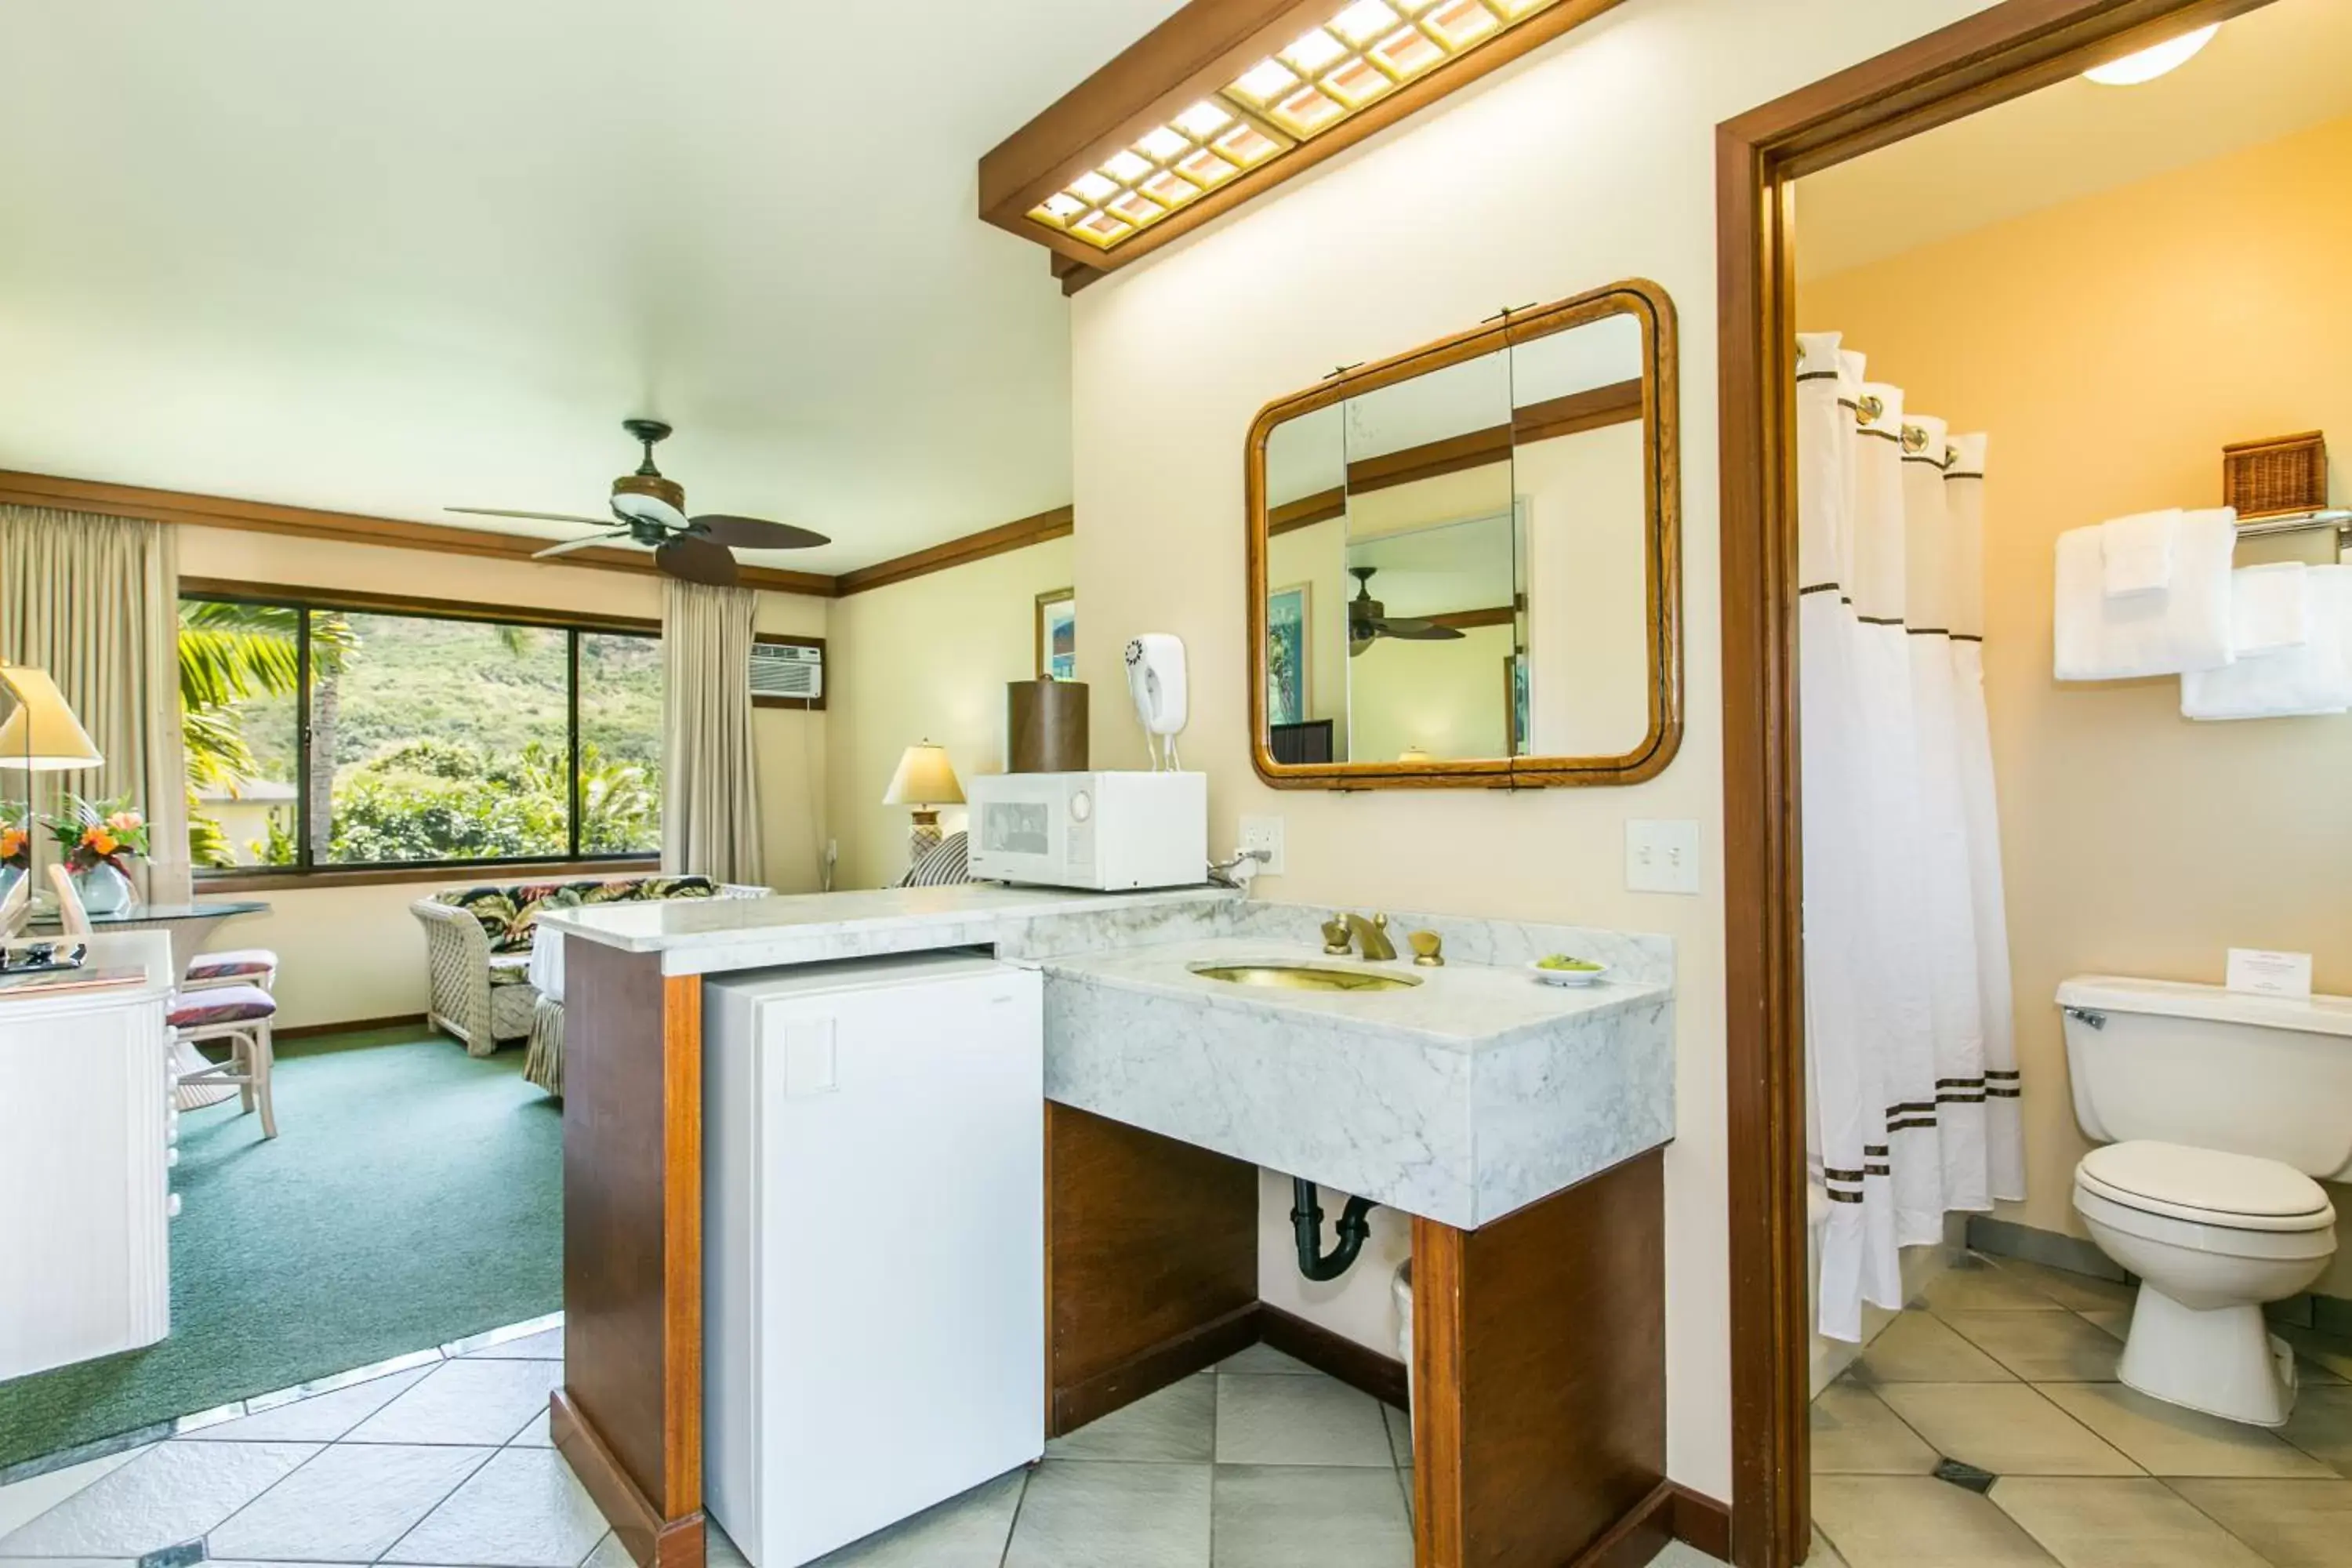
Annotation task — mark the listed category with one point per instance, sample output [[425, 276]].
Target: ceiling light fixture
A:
[[2151, 63], [1223, 100]]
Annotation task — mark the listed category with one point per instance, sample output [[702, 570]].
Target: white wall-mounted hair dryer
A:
[[1155, 679]]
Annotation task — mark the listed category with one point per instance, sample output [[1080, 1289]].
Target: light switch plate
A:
[[1265, 833], [1661, 856]]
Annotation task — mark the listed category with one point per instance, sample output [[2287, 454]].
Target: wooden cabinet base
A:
[[653, 1541], [1539, 1373], [631, 1394], [1150, 1264]]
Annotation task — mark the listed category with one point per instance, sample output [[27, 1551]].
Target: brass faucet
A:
[[1371, 937]]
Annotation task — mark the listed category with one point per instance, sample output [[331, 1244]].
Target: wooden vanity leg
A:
[[1150, 1263], [628, 1418], [1539, 1416]]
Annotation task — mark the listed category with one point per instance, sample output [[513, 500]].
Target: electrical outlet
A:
[[1265, 833], [1661, 856]]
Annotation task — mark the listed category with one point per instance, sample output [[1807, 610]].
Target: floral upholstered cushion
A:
[[237, 961], [221, 1004], [509, 913]]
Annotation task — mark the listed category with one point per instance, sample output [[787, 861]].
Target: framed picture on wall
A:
[[1286, 654], [1057, 635]]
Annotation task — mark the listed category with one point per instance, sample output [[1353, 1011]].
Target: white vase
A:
[[9, 877], [104, 890]]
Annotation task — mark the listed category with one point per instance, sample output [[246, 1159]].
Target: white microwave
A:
[[1104, 831]]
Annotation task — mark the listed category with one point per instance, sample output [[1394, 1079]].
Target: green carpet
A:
[[414, 1196]]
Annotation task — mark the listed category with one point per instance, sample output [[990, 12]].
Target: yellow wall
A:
[[1444, 697], [1588, 605], [929, 659], [1590, 160], [347, 953], [2111, 346]]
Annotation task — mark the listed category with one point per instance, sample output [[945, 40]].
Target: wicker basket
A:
[[2270, 479]]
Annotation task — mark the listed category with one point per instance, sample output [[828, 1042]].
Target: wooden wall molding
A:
[[1055, 524], [1335, 1355], [1988, 59], [20, 489], [1618, 403], [348, 527]]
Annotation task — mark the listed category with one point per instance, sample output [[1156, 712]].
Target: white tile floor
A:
[[1263, 1463], [2011, 1368]]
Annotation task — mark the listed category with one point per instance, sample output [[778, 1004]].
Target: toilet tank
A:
[[2266, 1076]]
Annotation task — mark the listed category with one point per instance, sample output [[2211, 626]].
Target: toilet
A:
[[2215, 1109]]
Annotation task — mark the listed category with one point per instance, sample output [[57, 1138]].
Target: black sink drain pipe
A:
[[1306, 1224]]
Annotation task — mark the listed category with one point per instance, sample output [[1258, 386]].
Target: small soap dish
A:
[[1585, 976]]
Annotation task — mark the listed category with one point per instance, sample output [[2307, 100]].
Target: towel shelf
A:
[[2337, 518]]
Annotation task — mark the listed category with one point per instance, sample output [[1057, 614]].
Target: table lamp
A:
[[41, 735], [925, 781]]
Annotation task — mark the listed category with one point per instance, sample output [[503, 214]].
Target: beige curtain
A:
[[711, 784], [95, 600]]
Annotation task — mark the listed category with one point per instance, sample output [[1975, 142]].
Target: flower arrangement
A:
[[15, 838], [98, 833]]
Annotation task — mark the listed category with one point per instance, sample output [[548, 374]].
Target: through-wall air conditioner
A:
[[788, 673]]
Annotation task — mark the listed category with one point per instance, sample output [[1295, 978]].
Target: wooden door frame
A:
[[2003, 52]]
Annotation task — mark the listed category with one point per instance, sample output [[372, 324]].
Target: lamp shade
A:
[[42, 734], [924, 777]]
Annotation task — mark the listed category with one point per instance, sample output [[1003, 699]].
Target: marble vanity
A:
[[1519, 1124]]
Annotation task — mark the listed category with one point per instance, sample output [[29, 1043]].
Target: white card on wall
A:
[[2267, 974]]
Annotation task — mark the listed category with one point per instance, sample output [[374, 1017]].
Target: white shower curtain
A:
[[1911, 1070]]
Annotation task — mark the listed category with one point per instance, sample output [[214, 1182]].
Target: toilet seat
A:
[[2204, 1187]]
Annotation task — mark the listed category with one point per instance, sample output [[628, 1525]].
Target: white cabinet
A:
[[874, 1243], [85, 1199]]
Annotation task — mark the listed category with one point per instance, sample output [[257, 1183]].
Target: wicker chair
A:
[[477, 946]]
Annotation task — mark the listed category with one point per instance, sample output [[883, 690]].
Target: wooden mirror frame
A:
[[1648, 304]]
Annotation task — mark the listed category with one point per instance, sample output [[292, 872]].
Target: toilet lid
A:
[[2206, 1185]]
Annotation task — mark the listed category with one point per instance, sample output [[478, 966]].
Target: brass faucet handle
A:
[[1428, 949], [1334, 936]]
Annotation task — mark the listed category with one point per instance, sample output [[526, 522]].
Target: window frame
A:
[[308, 872]]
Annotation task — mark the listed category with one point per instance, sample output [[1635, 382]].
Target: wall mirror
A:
[[1464, 560]]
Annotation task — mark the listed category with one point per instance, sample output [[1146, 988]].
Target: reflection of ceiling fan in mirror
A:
[[1368, 619], [649, 510]]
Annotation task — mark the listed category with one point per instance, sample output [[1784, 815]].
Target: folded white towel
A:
[[2185, 627], [2314, 678], [2136, 553], [2267, 608]]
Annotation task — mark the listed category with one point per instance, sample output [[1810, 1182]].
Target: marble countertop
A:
[[1457, 1006], [705, 936], [1464, 1098]]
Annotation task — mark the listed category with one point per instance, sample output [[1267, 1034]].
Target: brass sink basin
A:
[[1303, 977]]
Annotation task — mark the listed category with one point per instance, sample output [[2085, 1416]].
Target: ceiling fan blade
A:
[[533, 516], [569, 546], [756, 533], [693, 560], [1410, 630]]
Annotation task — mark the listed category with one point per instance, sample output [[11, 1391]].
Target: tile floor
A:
[[1985, 1428], [1261, 1463]]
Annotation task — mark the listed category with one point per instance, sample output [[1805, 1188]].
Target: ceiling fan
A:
[[650, 510], [1368, 619]]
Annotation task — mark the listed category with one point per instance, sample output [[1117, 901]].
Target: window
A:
[[326, 736]]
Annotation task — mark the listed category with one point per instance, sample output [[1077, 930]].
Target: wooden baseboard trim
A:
[[1170, 1361], [1701, 1522], [1334, 1355], [652, 1540], [1670, 1512], [309, 1031]]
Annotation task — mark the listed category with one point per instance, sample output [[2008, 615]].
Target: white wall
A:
[[1590, 160]]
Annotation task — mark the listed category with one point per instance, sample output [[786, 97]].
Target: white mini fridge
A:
[[873, 1243]]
